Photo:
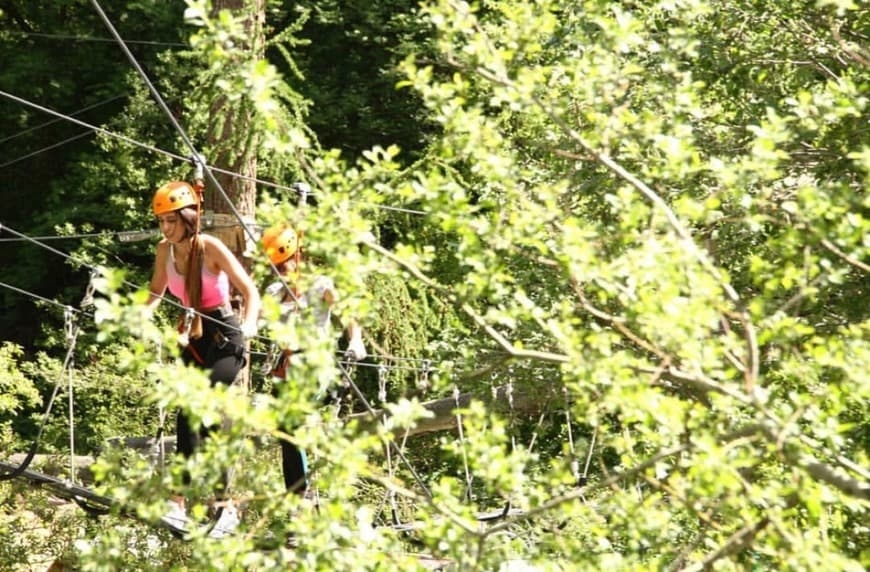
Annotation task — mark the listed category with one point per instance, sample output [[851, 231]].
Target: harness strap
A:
[[195, 354], [222, 342]]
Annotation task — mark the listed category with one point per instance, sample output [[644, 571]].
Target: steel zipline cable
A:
[[232, 207], [47, 148], [56, 119], [73, 329], [98, 270], [99, 39], [38, 241], [170, 154]]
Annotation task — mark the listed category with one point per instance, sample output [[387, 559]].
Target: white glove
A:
[[249, 330], [356, 350]]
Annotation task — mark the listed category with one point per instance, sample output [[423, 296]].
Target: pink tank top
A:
[[215, 287]]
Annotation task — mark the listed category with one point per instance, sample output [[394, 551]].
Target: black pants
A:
[[294, 463], [219, 350], [294, 466]]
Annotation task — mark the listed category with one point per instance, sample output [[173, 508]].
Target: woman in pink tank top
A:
[[198, 270]]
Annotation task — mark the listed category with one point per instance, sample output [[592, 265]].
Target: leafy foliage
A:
[[649, 216]]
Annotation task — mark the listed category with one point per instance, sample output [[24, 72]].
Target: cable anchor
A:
[[199, 165], [184, 336], [424, 374], [303, 190], [88, 298], [68, 318], [272, 358], [382, 383]]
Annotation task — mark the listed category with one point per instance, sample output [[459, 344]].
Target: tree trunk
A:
[[234, 142]]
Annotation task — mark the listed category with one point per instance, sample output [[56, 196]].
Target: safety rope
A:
[[68, 330], [71, 338], [469, 479], [390, 494], [575, 467], [161, 422], [537, 428], [368, 406], [178, 157], [509, 390], [583, 478]]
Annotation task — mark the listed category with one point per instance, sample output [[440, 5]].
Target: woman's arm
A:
[[159, 280], [356, 349], [219, 256]]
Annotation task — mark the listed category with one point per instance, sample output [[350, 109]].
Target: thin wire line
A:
[[97, 39], [387, 366], [398, 358], [49, 148], [93, 127], [122, 234], [51, 121], [183, 159], [97, 269], [43, 299]]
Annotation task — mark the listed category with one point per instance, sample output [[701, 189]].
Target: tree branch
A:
[[737, 542], [752, 371], [850, 259], [816, 468]]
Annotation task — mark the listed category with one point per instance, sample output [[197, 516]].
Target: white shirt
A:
[[310, 300]]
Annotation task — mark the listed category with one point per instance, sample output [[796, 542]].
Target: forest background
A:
[[636, 231]]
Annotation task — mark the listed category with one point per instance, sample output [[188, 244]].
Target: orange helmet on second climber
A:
[[173, 196], [280, 243]]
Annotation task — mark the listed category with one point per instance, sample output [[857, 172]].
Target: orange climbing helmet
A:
[[173, 196], [280, 243]]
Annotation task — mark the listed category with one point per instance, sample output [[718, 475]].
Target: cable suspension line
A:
[[123, 235], [72, 328], [53, 121], [98, 39], [93, 268], [100, 130], [40, 298], [177, 157], [48, 148]]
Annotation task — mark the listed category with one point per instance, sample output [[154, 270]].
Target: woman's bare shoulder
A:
[[217, 254], [212, 244]]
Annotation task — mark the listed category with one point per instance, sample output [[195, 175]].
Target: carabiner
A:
[[184, 336]]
